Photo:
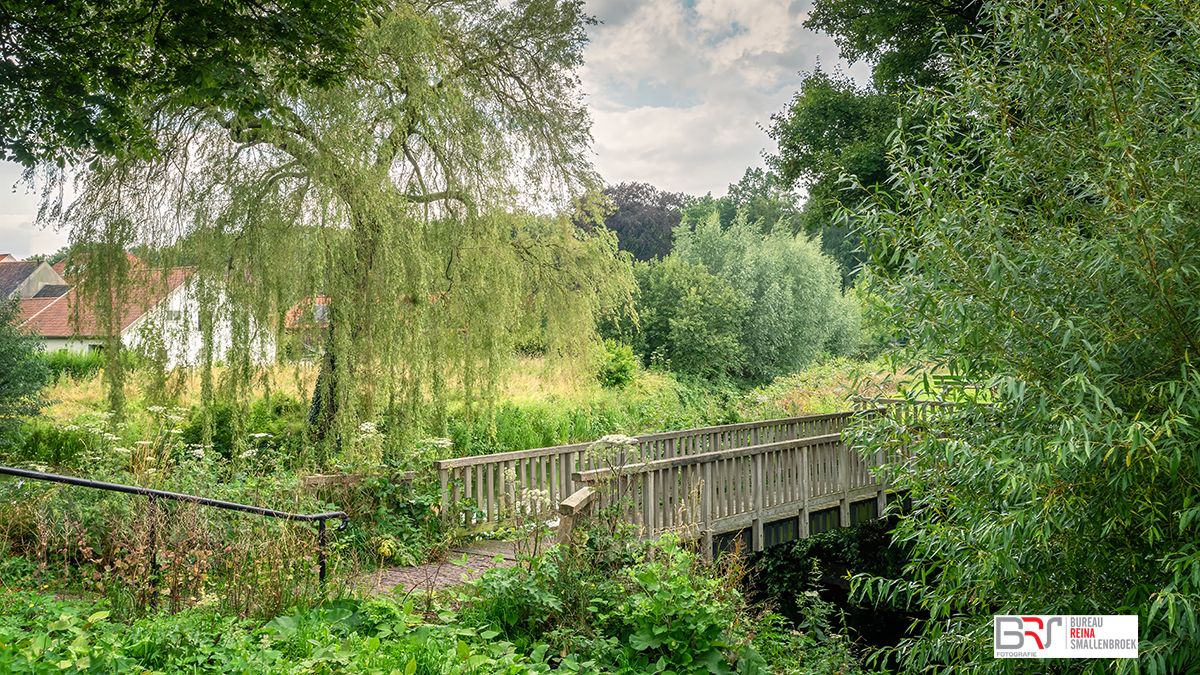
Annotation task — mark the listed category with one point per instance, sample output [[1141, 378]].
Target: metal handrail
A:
[[155, 495]]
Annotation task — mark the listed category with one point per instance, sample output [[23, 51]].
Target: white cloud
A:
[[678, 91], [18, 210]]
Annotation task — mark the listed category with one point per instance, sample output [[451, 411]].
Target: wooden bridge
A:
[[767, 482]]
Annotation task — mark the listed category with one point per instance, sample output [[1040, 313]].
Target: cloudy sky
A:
[[678, 90]]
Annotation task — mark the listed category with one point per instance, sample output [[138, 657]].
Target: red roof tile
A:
[[55, 318]]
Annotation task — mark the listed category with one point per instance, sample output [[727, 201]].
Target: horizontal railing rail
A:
[[155, 495]]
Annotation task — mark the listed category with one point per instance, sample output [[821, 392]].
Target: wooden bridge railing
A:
[[745, 489], [488, 485], [701, 496]]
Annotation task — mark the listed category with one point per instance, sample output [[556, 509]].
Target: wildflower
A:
[[616, 439], [261, 435], [249, 454], [367, 428], [436, 442]]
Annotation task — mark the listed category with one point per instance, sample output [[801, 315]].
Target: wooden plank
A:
[[490, 470], [844, 484], [578, 501], [759, 489]]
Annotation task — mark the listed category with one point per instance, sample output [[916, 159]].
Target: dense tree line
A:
[[1040, 242]]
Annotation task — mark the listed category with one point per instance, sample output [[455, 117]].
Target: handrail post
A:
[[152, 511], [321, 549], [444, 475], [757, 487], [843, 474], [706, 505], [805, 490]]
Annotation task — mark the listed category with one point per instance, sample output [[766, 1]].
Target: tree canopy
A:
[[792, 293], [1044, 247], [898, 37], [77, 74], [833, 127], [643, 218], [398, 196]]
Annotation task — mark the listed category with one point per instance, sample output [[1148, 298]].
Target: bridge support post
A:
[[881, 496], [843, 474], [706, 507], [758, 488], [805, 490]]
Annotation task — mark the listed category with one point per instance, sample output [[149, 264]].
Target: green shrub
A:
[[783, 573], [619, 367], [691, 320], [678, 616], [74, 365], [50, 444], [22, 374]]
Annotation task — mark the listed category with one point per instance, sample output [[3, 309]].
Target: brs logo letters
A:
[[1012, 631]]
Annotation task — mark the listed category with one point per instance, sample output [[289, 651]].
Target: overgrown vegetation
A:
[[567, 612], [1046, 248]]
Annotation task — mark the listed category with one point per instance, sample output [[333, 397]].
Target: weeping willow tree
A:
[[402, 200]]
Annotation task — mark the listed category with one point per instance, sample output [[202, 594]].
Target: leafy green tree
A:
[[78, 73], [833, 127], [899, 38], [689, 319], [22, 374], [643, 218], [1046, 239], [795, 305], [760, 194], [395, 195]]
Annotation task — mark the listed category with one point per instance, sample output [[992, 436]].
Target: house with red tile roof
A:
[[158, 311], [29, 279]]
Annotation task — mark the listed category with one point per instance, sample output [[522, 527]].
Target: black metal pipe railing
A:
[[155, 495]]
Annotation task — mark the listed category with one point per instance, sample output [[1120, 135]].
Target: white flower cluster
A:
[[613, 440], [435, 442], [367, 429], [535, 501]]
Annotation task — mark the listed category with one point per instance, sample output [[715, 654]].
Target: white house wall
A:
[[71, 345], [177, 317]]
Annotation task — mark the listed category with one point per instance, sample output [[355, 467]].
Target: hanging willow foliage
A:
[[402, 199]]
